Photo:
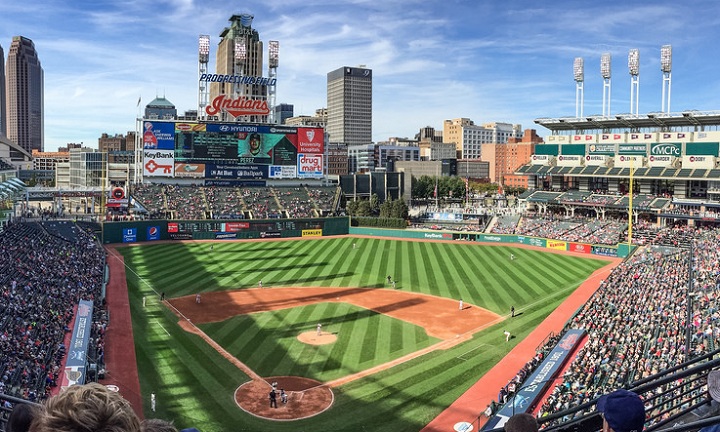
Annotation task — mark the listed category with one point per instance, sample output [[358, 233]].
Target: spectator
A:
[[89, 407]]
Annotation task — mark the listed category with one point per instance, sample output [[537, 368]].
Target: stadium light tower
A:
[[634, 67], [274, 61], [203, 86], [666, 68], [579, 75], [605, 72]]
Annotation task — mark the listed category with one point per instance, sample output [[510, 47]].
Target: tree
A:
[[399, 209]]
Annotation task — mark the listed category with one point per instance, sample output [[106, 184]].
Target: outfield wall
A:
[[153, 230], [621, 250]]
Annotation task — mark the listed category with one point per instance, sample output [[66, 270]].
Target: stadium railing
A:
[[675, 400]]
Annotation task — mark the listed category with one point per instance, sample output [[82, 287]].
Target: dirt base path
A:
[[120, 359]]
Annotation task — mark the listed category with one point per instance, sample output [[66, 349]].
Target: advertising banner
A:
[[158, 163], [569, 160], [556, 244], [529, 395], [707, 162], [666, 149], [491, 238], [611, 137], [673, 136], [312, 233], [310, 165], [533, 241], [583, 138], [236, 171], [605, 251], [159, 135], [660, 161], [632, 149], [129, 235], [540, 159], [235, 226], [173, 227], [270, 234], [79, 341], [189, 170], [311, 140], [282, 172], [225, 236], [606, 149], [580, 247], [595, 160], [437, 236], [629, 161], [153, 233]]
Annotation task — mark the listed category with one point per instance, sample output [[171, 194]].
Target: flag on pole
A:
[[435, 193], [139, 100]]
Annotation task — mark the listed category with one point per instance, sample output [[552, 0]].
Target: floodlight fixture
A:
[[204, 48], [666, 58], [274, 53], [240, 48], [605, 65], [579, 69], [634, 62]]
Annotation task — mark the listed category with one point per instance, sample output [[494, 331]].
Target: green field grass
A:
[[195, 384]]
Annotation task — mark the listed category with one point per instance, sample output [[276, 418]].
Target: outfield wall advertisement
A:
[[232, 150], [75, 367]]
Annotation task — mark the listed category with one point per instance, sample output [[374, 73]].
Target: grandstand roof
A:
[[659, 120]]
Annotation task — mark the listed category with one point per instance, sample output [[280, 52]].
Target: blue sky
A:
[[508, 61]]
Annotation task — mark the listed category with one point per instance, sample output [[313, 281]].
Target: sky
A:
[[490, 61]]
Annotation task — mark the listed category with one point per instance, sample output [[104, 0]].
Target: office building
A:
[[3, 102], [349, 105], [318, 120], [468, 137], [24, 95], [505, 158], [240, 52], [283, 112]]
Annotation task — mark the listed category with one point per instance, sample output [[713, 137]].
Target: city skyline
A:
[[510, 62]]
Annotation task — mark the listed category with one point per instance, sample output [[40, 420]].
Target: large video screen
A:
[[236, 151]]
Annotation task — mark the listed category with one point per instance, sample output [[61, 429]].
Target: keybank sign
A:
[[666, 149]]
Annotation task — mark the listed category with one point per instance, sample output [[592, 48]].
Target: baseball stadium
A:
[[241, 298]]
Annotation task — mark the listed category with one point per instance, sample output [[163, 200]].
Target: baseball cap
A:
[[623, 410], [713, 383]]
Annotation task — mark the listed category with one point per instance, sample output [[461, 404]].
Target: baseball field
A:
[[386, 358]]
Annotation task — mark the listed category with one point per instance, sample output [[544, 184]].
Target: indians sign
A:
[[241, 106]]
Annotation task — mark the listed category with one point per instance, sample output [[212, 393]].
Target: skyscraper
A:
[[349, 105], [3, 117], [24, 99], [240, 52]]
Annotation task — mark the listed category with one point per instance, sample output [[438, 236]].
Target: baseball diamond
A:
[[399, 358]]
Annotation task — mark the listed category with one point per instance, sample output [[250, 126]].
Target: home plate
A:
[[463, 427]]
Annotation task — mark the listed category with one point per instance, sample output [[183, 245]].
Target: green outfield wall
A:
[[621, 250], [154, 230]]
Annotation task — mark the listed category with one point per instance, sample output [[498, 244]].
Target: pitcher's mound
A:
[[305, 398], [312, 338]]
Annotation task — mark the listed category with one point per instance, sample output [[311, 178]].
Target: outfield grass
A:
[[195, 384]]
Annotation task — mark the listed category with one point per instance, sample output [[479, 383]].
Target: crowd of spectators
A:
[[215, 202], [637, 325], [45, 269]]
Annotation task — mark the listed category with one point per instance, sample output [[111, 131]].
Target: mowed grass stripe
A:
[[445, 269]]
